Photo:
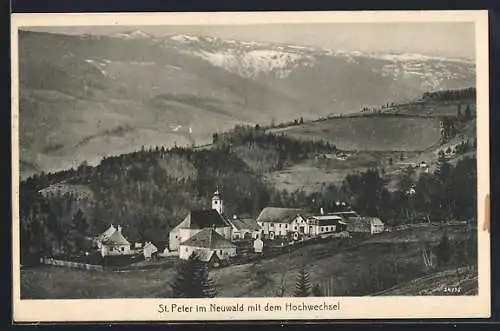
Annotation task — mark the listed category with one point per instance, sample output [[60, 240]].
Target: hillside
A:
[[85, 97]]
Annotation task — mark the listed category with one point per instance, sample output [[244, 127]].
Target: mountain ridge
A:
[[76, 89]]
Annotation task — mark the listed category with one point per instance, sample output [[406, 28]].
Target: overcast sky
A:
[[438, 39]]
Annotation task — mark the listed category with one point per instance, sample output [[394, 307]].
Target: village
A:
[[219, 240]]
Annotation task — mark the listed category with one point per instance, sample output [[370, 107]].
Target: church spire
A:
[[217, 202]]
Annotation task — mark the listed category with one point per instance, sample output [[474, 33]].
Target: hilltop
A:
[[86, 97]]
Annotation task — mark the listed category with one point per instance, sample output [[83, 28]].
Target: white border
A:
[[351, 307]]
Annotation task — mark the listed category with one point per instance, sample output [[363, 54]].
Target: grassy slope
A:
[[371, 133], [326, 261]]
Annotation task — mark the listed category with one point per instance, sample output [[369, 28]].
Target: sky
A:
[[447, 39]]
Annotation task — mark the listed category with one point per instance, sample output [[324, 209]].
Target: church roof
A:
[[208, 238], [208, 218]]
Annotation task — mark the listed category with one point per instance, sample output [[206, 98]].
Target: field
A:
[[373, 133], [349, 265]]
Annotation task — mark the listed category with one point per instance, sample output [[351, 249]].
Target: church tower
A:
[[217, 202]]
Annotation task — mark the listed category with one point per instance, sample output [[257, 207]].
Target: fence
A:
[[73, 265]]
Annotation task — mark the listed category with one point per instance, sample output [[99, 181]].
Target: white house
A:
[[244, 228], [198, 220], [149, 249], [280, 222], [207, 244], [112, 242], [370, 225]]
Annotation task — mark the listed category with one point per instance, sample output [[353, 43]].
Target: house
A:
[[112, 242], [244, 228], [280, 222], [370, 225], [323, 224], [208, 244], [149, 250], [197, 220]]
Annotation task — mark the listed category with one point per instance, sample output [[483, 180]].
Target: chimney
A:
[[119, 228], [322, 211]]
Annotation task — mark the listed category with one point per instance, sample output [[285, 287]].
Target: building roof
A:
[[116, 239], [278, 215], [244, 223], [201, 219], [208, 238], [329, 219], [106, 234]]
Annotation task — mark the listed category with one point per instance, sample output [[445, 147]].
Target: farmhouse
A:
[[244, 228], [112, 242], [198, 220], [370, 225], [209, 245], [280, 222]]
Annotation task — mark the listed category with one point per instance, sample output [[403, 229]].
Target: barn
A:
[[371, 225]]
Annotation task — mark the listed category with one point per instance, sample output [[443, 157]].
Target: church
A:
[[198, 220]]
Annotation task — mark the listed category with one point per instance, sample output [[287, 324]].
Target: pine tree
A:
[[443, 251], [192, 280], [303, 284], [317, 291]]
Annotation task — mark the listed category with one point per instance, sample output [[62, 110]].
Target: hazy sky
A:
[[439, 39]]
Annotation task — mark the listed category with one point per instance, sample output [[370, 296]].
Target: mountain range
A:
[[83, 97]]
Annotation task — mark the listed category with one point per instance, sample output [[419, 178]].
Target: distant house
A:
[[208, 244], [112, 242], [370, 225], [149, 250], [197, 220], [276, 222], [244, 228]]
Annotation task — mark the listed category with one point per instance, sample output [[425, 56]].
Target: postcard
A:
[[250, 166]]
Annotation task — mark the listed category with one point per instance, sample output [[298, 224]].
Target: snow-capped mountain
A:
[[251, 59], [79, 96]]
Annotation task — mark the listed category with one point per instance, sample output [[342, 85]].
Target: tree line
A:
[[451, 95]]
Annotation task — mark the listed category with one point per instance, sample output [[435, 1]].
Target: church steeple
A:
[[217, 202]]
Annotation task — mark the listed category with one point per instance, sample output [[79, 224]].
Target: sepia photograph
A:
[[273, 168]]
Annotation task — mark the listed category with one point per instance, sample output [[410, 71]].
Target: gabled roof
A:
[[116, 239], [278, 215], [244, 223], [201, 219], [208, 238], [328, 219], [106, 234]]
